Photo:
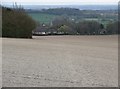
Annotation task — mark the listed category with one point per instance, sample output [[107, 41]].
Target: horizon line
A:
[[61, 3]]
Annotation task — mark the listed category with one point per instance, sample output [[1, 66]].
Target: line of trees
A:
[[112, 28], [16, 23], [67, 26]]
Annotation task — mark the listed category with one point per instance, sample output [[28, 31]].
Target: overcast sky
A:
[[60, 2]]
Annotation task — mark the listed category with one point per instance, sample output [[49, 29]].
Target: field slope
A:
[[61, 61]]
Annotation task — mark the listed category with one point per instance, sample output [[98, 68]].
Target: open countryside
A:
[[56, 48]]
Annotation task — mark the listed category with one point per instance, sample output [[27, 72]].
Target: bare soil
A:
[[60, 61]]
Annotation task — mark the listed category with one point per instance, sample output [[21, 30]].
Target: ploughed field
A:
[[60, 61]]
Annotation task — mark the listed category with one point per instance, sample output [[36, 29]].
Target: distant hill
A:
[[47, 15], [81, 7]]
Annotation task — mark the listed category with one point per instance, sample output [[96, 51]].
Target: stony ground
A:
[[60, 61]]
